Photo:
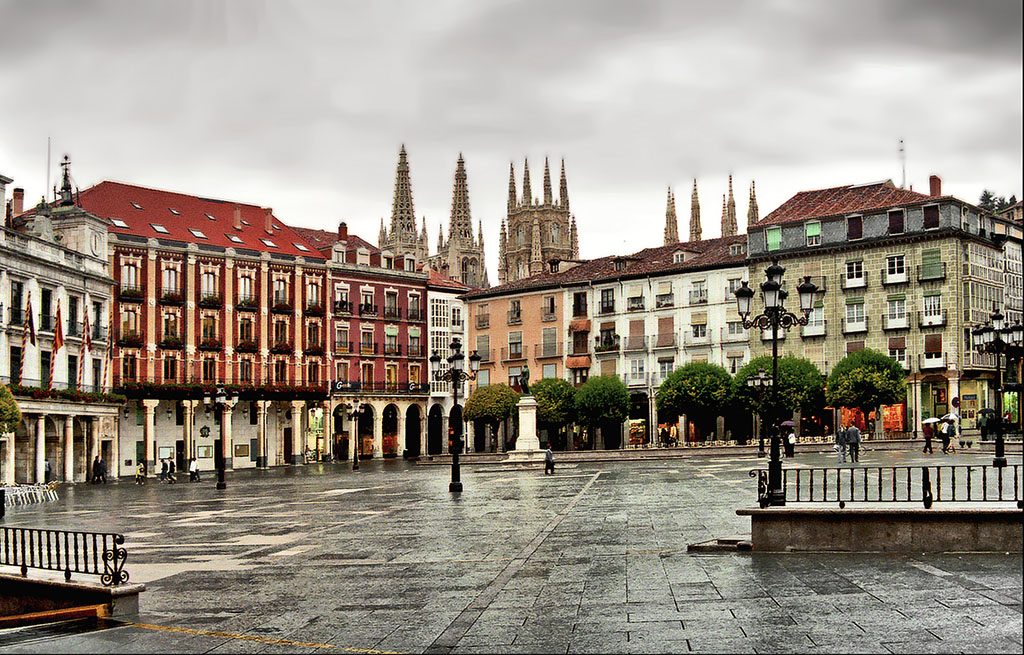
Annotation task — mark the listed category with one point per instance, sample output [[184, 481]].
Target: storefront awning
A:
[[577, 361]]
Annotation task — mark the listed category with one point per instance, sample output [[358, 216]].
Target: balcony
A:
[[366, 309], [342, 347], [130, 293], [515, 317], [313, 309], [458, 326], [579, 310], [606, 308], [635, 379], [634, 343], [817, 329], [512, 354], [392, 312], [74, 329], [247, 303], [698, 340], [933, 271], [606, 345], [931, 361], [99, 333], [342, 307], [544, 350], [17, 316], [483, 321], [979, 360], [860, 282], [895, 278], [211, 301], [210, 343], [895, 322], [129, 339], [581, 347], [247, 346], [635, 304], [282, 348], [485, 355], [392, 349], [931, 319], [367, 348], [171, 342], [171, 296], [664, 301], [665, 341], [699, 297], [547, 317], [313, 350], [46, 323], [855, 325], [281, 306], [415, 314], [416, 351]]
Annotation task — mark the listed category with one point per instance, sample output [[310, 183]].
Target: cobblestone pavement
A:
[[593, 559]]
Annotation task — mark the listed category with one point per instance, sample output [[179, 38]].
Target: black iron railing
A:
[[897, 484], [84, 553]]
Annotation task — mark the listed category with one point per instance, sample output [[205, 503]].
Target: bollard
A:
[[926, 487], [3, 502]]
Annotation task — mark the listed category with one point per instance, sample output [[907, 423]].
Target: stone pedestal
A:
[[527, 445]]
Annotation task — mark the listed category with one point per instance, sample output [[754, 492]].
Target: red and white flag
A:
[[58, 343]]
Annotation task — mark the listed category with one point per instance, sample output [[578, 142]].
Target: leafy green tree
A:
[[491, 405], [10, 414], [987, 200], [556, 402], [601, 399], [800, 386], [866, 380], [700, 390]]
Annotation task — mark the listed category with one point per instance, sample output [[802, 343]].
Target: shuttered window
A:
[[933, 343], [773, 238], [854, 346], [896, 343], [854, 227]]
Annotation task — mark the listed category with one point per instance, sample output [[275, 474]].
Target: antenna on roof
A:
[[903, 165]]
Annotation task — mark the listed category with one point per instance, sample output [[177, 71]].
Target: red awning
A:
[[579, 325], [577, 361]]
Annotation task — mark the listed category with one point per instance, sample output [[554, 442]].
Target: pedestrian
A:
[[163, 470], [47, 472], [952, 436], [140, 473], [853, 443], [983, 424], [193, 470], [791, 444], [94, 475], [549, 461], [927, 439], [170, 471], [944, 435], [103, 471], [841, 443]]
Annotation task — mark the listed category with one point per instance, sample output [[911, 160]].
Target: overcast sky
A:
[[302, 106]]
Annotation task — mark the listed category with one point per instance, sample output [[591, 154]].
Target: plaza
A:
[[592, 559]]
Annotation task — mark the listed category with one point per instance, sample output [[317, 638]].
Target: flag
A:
[[58, 343], [86, 347], [30, 323]]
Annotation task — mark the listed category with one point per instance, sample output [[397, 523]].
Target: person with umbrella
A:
[[983, 421], [928, 432], [790, 442]]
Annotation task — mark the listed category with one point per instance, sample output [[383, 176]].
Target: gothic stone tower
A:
[[537, 230], [461, 257], [402, 238]]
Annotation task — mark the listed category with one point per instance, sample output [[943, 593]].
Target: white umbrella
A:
[[928, 421], [951, 417]]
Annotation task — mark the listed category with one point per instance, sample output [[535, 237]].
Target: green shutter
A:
[[773, 237], [818, 304], [932, 292], [931, 256], [391, 330], [855, 300], [897, 296], [414, 332], [812, 229]]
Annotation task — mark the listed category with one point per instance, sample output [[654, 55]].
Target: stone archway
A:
[[340, 433], [389, 431], [366, 420], [412, 431], [435, 430]]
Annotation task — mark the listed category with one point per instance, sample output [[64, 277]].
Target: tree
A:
[[602, 399], [800, 386], [10, 414], [865, 380], [993, 203], [700, 390], [556, 402], [491, 405]]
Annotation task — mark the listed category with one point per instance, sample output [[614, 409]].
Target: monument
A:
[[527, 444]]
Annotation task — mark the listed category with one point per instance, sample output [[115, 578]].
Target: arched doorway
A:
[[366, 419], [412, 431], [389, 430], [479, 437], [435, 425], [340, 433], [455, 427]]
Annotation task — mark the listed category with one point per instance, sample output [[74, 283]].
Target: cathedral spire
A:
[[440, 238], [460, 225], [502, 239], [695, 229], [752, 211], [547, 183], [574, 240], [563, 190], [527, 192], [729, 217], [512, 200], [671, 223], [424, 244], [403, 215], [382, 235], [536, 259]]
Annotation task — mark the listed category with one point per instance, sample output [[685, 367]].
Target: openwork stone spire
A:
[[671, 222], [460, 227], [527, 192], [563, 190], [729, 217], [512, 199], [752, 211], [548, 198], [695, 229], [502, 239], [403, 215], [536, 259]]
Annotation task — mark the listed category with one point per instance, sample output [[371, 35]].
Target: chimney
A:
[[236, 222], [19, 201], [934, 185], [343, 231], [268, 223]]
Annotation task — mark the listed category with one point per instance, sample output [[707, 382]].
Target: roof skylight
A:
[[232, 237], [211, 217], [174, 211], [118, 222], [268, 243], [197, 233], [159, 228], [301, 247], [136, 205]]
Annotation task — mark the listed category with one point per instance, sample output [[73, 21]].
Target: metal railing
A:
[[542, 350], [84, 553], [897, 484], [932, 318], [483, 321]]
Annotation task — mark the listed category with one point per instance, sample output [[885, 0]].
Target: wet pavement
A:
[[592, 559]]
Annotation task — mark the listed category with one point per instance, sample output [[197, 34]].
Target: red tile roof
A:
[[444, 282], [325, 240], [841, 200], [140, 208]]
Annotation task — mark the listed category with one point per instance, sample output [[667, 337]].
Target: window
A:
[[268, 243], [579, 304], [457, 317], [129, 323], [415, 345], [515, 344], [931, 217], [209, 284], [816, 318], [209, 328], [414, 306], [128, 367], [129, 276], [812, 231], [483, 378], [245, 287], [735, 363], [367, 299], [483, 346], [245, 329], [515, 312], [280, 291], [391, 304], [513, 375], [210, 216], [933, 305], [678, 257], [665, 367], [170, 367], [700, 331], [197, 233], [735, 328], [854, 274], [209, 369], [737, 249], [854, 227], [607, 301], [773, 238], [636, 369], [313, 373], [281, 371], [170, 281], [341, 371], [548, 305], [549, 342], [933, 347], [174, 211], [698, 292], [897, 309], [299, 246], [855, 313], [159, 228], [391, 344], [734, 283], [579, 376], [245, 370], [170, 326], [341, 339], [549, 371], [312, 294], [895, 266], [119, 223], [281, 333], [896, 221], [898, 349]]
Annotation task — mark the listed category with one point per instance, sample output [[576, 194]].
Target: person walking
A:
[[103, 471], [841, 444], [170, 471], [944, 435], [549, 461], [140, 473], [163, 470], [791, 444], [853, 443], [927, 429], [95, 476], [193, 470]]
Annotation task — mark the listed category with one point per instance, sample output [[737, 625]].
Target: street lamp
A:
[[775, 316], [999, 339], [354, 409], [760, 382], [456, 374], [220, 398]]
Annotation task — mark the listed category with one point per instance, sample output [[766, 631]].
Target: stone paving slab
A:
[[321, 558]]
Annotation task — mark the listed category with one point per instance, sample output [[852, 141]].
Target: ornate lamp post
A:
[[760, 382], [354, 409], [220, 399], [456, 374], [775, 317], [998, 339]]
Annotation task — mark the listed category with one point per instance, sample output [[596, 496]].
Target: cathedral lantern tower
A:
[[536, 230]]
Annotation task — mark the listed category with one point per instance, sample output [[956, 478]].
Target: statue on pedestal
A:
[[524, 380]]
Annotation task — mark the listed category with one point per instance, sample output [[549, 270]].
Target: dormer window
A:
[[678, 257], [268, 243], [620, 265], [159, 228], [119, 223], [233, 238], [812, 230], [174, 211], [197, 233], [737, 249]]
